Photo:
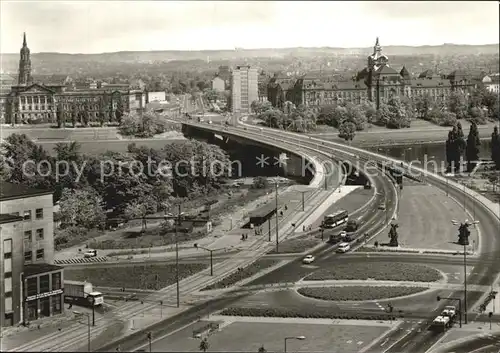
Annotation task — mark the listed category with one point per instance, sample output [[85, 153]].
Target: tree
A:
[[393, 235], [347, 130], [383, 115], [140, 208], [262, 349], [398, 117], [495, 147], [442, 118], [102, 111], [457, 103], [204, 345], [369, 110], [355, 115], [477, 115], [472, 149], [260, 183], [211, 95], [147, 124], [119, 110], [81, 208], [273, 118], [423, 105]]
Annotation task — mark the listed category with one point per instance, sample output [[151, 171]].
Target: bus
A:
[[335, 219]]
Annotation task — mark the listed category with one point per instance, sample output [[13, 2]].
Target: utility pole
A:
[[177, 224], [465, 285], [276, 200]]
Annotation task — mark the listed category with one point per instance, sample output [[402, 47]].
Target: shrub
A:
[[389, 271], [309, 312], [242, 274], [357, 293], [71, 236]]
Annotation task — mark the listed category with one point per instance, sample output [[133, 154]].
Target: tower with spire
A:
[[25, 64], [377, 58]]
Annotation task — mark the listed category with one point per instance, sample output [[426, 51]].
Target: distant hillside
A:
[[50, 61]]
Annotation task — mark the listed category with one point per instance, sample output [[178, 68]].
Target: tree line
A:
[[113, 181], [457, 147]]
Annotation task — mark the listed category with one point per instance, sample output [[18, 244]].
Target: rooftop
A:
[[9, 191], [8, 218], [35, 269]]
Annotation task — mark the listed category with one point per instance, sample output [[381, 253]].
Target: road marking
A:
[[349, 342], [360, 343], [385, 341]]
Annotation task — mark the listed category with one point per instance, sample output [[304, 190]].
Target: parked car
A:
[[90, 253], [343, 248], [308, 259], [381, 207]]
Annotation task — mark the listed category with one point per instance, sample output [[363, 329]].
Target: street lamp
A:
[[88, 325], [211, 257], [149, 336], [300, 338], [459, 307], [466, 224]]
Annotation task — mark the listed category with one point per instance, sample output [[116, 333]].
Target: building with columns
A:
[[30, 102]]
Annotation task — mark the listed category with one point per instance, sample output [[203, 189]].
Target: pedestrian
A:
[[286, 207], [303, 228]]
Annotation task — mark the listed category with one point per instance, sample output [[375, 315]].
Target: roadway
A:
[[74, 335], [485, 343]]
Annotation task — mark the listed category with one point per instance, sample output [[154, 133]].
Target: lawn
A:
[[137, 277], [358, 293], [245, 273], [298, 245], [388, 271], [250, 336]]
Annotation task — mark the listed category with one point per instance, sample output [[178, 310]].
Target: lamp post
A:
[[459, 306], [276, 226], [300, 338], [149, 335], [211, 257], [88, 325]]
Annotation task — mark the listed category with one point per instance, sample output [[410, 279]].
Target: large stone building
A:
[[31, 285], [377, 82], [32, 102]]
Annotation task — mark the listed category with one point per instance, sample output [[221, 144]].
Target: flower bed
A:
[[388, 271], [138, 276], [242, 274], [358, 293], [303, 312]]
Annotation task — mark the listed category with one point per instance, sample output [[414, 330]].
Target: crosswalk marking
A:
[[81, 260]]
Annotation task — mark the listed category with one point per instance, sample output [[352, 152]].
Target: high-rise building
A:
[[31, 286], [244, 89]]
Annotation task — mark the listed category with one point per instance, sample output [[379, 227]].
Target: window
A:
[[44, 284], [39, 213], [39, 234], [27, 236], [7, 284], [39, 254], [7, 246], [8, 303], [28, 256], [27, 215], [32, 286], [56, 304], [7, 265], [56, 281]]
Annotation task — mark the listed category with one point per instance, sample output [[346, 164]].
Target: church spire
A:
[[377, 47], [24, 64]]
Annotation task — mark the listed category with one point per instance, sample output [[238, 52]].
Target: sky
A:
[[81, 26]]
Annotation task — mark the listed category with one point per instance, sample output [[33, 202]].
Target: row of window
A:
[[28, 214], [7, 275], [28, 255], [28, 235], [45, 284]]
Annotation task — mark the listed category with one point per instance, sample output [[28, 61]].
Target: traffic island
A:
[[296, 246], [243, 273], [152, 277], [358, 293], [379, 271]]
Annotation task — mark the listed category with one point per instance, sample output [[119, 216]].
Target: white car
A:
[[308, 259], [343, 248], [381, 207], [343, 234], [90, 253]]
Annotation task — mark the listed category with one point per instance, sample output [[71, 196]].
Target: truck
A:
[[451, 312], [440, 323], [352, 226], [82, 293]]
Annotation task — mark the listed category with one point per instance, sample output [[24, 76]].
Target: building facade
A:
[[244, 89], [218, 84], [376, 83], [30, 102], [31, 285]]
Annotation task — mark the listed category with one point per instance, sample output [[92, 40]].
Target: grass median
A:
[[358, 293], [242, 274], [138, 277], [380, 271], [295, 246]]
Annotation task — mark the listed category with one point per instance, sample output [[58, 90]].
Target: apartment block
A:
[[244, 88]]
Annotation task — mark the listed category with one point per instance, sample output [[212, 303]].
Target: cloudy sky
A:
[[81, 26]]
